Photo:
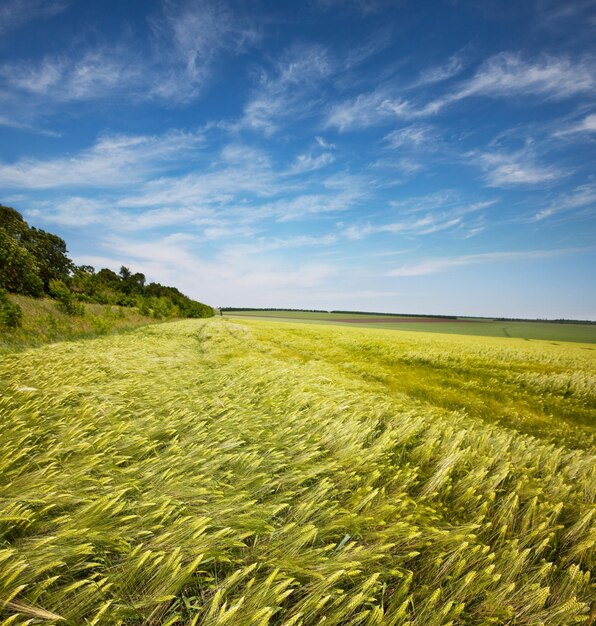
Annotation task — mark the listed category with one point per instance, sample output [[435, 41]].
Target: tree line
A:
[[35, 263]]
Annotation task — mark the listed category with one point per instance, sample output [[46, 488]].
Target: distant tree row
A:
[[248, 308], [232, 308], [539, 319], [35, 263]]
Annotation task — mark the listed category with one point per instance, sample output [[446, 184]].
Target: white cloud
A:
[[324, 143], [220, 280], [73, 211], [446, 201], [507, 169], [151, 182], [91, 76], [362, 112], [587, 125], [437, 265], [79, 211], [113, 161], [422, 226], [453, 66], [503, 75], [366, 7], [16, 13], [305, 205], [235, 180], [582, 197], [30, 128], [289, 91], [404, 165], [187, 39], [446, 218], [556, 15], [427, 202], [309, 163], [373, 108], [507, 74], [261, 245], [414, 135]]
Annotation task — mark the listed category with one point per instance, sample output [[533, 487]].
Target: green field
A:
[[253, 473], [548, 331]]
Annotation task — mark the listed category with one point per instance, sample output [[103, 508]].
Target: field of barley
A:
[[254, 473]]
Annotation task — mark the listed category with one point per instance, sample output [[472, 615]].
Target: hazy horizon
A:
[[423, 158]]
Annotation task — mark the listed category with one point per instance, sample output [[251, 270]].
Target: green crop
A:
[[211, 473]]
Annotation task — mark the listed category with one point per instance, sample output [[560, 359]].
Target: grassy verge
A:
[[44, 322]]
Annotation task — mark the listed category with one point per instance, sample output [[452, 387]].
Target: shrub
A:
[[10, 312], [101, 325], [67, 300]]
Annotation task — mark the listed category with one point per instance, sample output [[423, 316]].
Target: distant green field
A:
[[547, 331]]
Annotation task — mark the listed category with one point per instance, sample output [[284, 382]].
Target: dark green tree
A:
[[51, 255], [33, 261], [12, 223], [19, 272]]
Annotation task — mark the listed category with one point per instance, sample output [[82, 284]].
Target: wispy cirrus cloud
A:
[[434, 221], [173, 62], [16, 13], [29, 128], [147, 182], [94, 75], [189, 36], [508, 74], [504, 75], [554, 15], [309, 163], [239, 173], [373, 108], [415, 135], [260, 245], [439, 73], [438, 265], [113, 161], [582, 197], [422, 226], [289, 90], [582, 127], [321, 141], [516, 168], [364, 7]]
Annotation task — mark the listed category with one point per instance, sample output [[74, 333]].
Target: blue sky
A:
[[419, 157]]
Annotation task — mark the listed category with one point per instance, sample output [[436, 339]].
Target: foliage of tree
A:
[[50, 253], [29, 257], [19, 271], [34, 262]]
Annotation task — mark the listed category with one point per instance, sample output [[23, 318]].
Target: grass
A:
[[209, 472], [547, 331], [44, 322]]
